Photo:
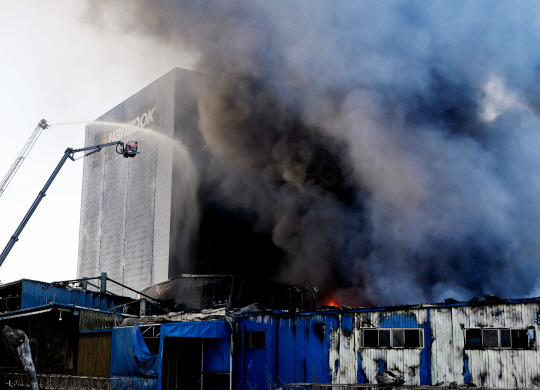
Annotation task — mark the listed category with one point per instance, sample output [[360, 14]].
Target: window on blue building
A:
[[414, 338], [473, 338], [370, 338], [506, 339], [255, 340], [490, 338], [398, 337], [384, 338], [392, 338], [495, 338]]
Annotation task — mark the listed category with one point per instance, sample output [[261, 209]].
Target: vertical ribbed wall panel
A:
[[126, 202], [91, 211], [164, 122], [486, 367]]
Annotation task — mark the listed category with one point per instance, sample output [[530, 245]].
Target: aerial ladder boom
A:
[[128, 149], [42, 125]]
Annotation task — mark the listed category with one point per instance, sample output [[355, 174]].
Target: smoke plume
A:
[[389, 150]]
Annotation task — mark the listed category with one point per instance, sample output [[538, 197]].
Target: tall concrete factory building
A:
[[130, 224]]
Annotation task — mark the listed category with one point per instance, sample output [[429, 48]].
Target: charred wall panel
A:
[[411, 364], [337, 349], [53, 337], [489, 367], [198, 292], [193, 292]]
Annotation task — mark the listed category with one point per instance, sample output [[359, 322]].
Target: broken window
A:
[[392, 338], [519, 338], [255, 340], [494, 338]]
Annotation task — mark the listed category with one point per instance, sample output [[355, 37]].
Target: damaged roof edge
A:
[[51, 306], [336, 310]]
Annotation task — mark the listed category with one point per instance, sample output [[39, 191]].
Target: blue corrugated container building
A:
[[28, 294], [488, 343], [482, 343]]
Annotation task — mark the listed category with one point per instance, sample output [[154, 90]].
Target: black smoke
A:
[[386, 150]]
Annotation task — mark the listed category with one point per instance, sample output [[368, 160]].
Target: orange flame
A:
[[331, 301]]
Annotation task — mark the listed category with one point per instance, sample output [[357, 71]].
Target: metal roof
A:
[[35, 294]]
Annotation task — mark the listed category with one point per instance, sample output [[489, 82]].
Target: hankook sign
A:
[[141, 121]]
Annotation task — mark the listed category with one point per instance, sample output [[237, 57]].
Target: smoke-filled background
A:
[[390, 151]]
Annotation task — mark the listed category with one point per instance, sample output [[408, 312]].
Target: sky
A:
[[58, 66]]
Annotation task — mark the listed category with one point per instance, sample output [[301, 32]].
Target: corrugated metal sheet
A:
[[94, 357], [35, 294], [95, 320], [485, 367], [125, 222], [198, 292], [304, 339], [407, 363], [327, 347], [296, 350]]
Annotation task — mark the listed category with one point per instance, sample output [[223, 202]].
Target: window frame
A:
[[405, 331], [254, 339], [515, 336]]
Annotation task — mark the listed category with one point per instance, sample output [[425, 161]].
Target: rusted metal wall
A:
[[94, 354]]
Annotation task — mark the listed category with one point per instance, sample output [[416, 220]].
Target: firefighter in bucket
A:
[[130, 149]]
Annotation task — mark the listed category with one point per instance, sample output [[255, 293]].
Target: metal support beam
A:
[[103, 284], [67, 154]]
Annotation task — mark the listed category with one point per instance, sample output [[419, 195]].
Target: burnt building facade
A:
[[482, 343], [79, 335]]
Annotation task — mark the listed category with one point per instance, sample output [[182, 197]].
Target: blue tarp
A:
[[216, 356], [210, 329], [131, 361], [130, 356]]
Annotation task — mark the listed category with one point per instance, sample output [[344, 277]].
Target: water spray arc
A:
[[128, 149]]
